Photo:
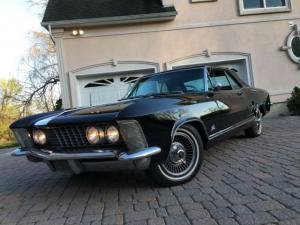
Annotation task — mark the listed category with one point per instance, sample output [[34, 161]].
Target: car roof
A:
[[209, 68]]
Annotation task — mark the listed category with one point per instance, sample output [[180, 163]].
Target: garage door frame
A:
[[207, 58], [110, 67]]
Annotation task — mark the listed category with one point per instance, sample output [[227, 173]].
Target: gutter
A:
[[165, 16]]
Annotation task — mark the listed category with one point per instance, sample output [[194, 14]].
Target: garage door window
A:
[[263, 6], [129, 80], [100, 83]]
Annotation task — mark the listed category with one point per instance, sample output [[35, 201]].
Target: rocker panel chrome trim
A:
[[228, 129]]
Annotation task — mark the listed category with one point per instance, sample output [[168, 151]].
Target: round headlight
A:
[[94, 135], [112, 134], [39, 137]]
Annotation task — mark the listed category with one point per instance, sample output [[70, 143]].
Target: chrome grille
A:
[[66, 137]]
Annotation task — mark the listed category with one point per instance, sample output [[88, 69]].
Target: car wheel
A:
[[255, 130], [184, 159]]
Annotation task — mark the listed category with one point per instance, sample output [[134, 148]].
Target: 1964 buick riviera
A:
[[162, 126]]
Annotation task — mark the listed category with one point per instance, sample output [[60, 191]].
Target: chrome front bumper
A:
[[100, 154]]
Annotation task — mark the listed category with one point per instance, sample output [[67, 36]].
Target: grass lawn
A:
[[8, 144]]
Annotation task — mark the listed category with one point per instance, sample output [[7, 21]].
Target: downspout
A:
[[50, 33]]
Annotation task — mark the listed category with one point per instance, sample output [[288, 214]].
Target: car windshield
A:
[[175, 82]]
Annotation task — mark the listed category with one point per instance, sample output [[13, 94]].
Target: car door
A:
[[222, 119], [240, 107], [229, 96]]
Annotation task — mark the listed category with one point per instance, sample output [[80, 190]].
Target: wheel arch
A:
[[265, 105], [197, 124]]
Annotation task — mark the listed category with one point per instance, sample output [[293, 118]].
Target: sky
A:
[[16, 20]]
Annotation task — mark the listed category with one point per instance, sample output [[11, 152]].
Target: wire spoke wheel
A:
[[256, 129], [258, 119], [183, 156]]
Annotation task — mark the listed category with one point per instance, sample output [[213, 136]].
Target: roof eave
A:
[[152, 17]]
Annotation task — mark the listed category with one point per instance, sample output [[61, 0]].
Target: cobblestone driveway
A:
[[242, 181]]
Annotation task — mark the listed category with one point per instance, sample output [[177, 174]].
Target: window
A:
[[100, 83], [235, 85], [296, 46], [220, 79], [292, 45], [263, 6], [226, 81]]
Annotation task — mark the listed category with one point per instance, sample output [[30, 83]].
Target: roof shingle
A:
[[65, 10]]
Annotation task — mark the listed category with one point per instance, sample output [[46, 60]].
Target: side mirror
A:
[[210, 94], [218, 87]]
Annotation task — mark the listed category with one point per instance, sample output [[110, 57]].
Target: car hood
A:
[[124, 109]]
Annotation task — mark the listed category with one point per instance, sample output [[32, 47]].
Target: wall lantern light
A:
[[77, 32]]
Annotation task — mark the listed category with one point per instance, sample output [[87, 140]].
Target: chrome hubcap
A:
[[177, 153]]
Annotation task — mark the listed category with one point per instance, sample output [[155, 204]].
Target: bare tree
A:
[[40, 68]]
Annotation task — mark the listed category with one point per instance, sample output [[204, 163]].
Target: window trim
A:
[[243, 11], [291, 53]]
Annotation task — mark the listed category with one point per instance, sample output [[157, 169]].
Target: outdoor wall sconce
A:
[[292, 45], [77, 32]]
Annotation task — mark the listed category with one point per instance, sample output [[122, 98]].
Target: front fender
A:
[[29, 121], [198, 123]]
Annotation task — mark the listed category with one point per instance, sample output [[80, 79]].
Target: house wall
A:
[[216, 26]]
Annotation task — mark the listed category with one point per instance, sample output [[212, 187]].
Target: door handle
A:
[[239, 93]]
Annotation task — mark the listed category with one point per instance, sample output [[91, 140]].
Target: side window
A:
[[235, 85], [220, 78]]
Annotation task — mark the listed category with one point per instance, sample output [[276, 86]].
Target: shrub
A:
[[293, 103]]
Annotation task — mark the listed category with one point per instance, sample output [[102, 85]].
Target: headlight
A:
[[39, 137], [112, 134], [94, 135]]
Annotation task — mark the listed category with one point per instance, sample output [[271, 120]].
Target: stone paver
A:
[[242, 181]]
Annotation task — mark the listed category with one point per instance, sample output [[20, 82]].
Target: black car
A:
[[162, 126]]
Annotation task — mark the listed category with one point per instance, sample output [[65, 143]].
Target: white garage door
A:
[[104, 89]]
